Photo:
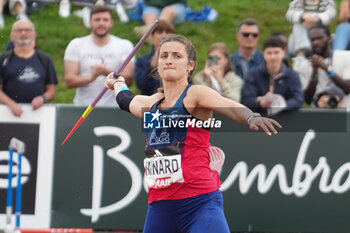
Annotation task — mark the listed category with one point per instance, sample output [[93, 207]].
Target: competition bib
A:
[[162, 171]]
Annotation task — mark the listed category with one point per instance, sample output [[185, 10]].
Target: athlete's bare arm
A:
[[203, 97]]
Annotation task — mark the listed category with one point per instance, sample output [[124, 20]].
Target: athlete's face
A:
[[23, 33], [101, 23], [173, 62]]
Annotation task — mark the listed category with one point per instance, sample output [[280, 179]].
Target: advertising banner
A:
[[98, 181], [290, 182], [36, 130], [296, 181]]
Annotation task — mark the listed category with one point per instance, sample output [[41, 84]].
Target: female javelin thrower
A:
[[184, 193]]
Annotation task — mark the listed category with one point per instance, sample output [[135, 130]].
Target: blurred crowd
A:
[[308, 68]]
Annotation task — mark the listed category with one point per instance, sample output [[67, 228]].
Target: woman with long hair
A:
[[184, 193]]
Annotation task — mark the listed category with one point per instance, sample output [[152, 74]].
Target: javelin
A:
[[116, 75]]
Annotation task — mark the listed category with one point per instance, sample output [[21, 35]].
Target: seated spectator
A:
[[325, 68], [219, 74], [342, 34], [119, 5], [273, 86], [330, 98], [65, 8], [17, 8], [26, 75], [247, 56], [303, 14], [145, 79], [171, 11]]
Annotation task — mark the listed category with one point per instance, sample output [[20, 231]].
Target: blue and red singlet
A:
[[177, 155]]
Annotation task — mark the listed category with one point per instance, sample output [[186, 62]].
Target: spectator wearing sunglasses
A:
[[247, 56]]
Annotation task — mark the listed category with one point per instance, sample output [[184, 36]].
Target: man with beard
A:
[[88, 60], [26, 75], [325, 68]]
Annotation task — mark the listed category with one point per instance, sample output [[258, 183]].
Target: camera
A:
[[333, 102], [213, 60]]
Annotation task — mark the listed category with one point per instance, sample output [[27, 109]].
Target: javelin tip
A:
[[73, 130]]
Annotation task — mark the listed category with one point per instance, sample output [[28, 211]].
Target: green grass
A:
[[54, 33]]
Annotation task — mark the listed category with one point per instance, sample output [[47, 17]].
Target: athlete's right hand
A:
[[109, 81], [114, 83]]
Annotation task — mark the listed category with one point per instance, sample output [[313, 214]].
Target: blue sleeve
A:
[[143, 77], [250, 92], [296, 99], [142, 69], [236, 65]]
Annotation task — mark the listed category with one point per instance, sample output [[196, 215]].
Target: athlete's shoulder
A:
[[198, 90], [154, 98]]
